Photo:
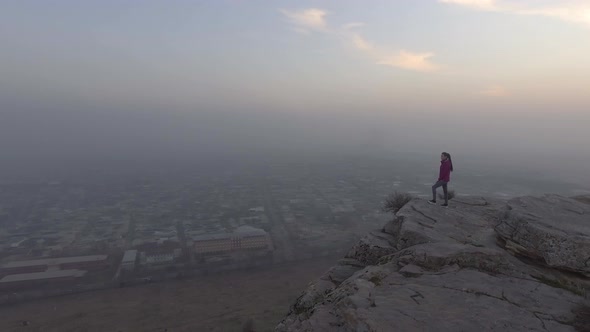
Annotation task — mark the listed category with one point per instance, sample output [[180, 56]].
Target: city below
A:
[[71, 235]]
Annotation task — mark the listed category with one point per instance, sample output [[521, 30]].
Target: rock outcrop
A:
[[552, 229], [480, 265]]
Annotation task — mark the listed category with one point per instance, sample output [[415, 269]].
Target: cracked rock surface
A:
[[480, 265], [553, 229]]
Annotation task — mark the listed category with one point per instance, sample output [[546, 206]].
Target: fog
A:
[[109, 83], [234, 150], [48, 136]]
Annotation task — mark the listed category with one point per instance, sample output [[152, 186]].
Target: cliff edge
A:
[[480, 265]]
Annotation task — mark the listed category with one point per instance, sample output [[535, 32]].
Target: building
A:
[[88, 263], [248, 237], [160, 258], [94, 262], [161, 252], [212, 243], [20, 267], [128, 261], [243, 238], [36, 279]]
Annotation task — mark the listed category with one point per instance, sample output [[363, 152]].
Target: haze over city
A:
[[496, 79], [134, 134]]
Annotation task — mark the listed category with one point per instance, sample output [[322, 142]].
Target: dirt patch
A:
[[223, 302]]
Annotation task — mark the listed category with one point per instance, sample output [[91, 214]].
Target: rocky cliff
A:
[[480, 265]]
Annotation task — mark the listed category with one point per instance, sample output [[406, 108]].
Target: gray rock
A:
[[551, 229], [372, 247], [411, 270], [343, 270], [435, 269]]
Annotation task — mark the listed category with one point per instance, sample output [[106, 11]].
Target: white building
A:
[[243, 238], [128, 261]]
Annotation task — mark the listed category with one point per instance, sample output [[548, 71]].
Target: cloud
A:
[[577, 11], [307, 19], [495, 91], [478, 4], [361, 43], [576, 14], [411, 61], [402, 59], [313, 19]]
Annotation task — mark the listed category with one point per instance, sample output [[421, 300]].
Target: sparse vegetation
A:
[[394, 202], [503, 215], [248, 326], [582, 199], [582, 320], [563, 284], [450, 195], [376, 280]]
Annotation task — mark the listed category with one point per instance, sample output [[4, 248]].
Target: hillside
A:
[[480, 265]]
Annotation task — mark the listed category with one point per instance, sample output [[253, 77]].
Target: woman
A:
[[444, 176]]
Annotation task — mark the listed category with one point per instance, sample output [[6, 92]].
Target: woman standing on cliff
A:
[[444, 176]]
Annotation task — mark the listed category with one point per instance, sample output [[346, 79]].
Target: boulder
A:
[[553, 230]]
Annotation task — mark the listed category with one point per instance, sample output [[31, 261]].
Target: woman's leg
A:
[[446, 192], [434, 186]]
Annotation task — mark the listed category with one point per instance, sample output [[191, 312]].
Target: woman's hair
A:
[[448, 155]]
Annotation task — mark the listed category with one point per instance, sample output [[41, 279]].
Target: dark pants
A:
[[439, 184]]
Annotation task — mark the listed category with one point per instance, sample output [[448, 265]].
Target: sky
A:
[[502, 79]]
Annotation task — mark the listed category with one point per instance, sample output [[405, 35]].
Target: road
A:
[[282, 239]]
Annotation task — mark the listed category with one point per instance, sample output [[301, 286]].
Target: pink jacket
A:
[[445, 171]]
